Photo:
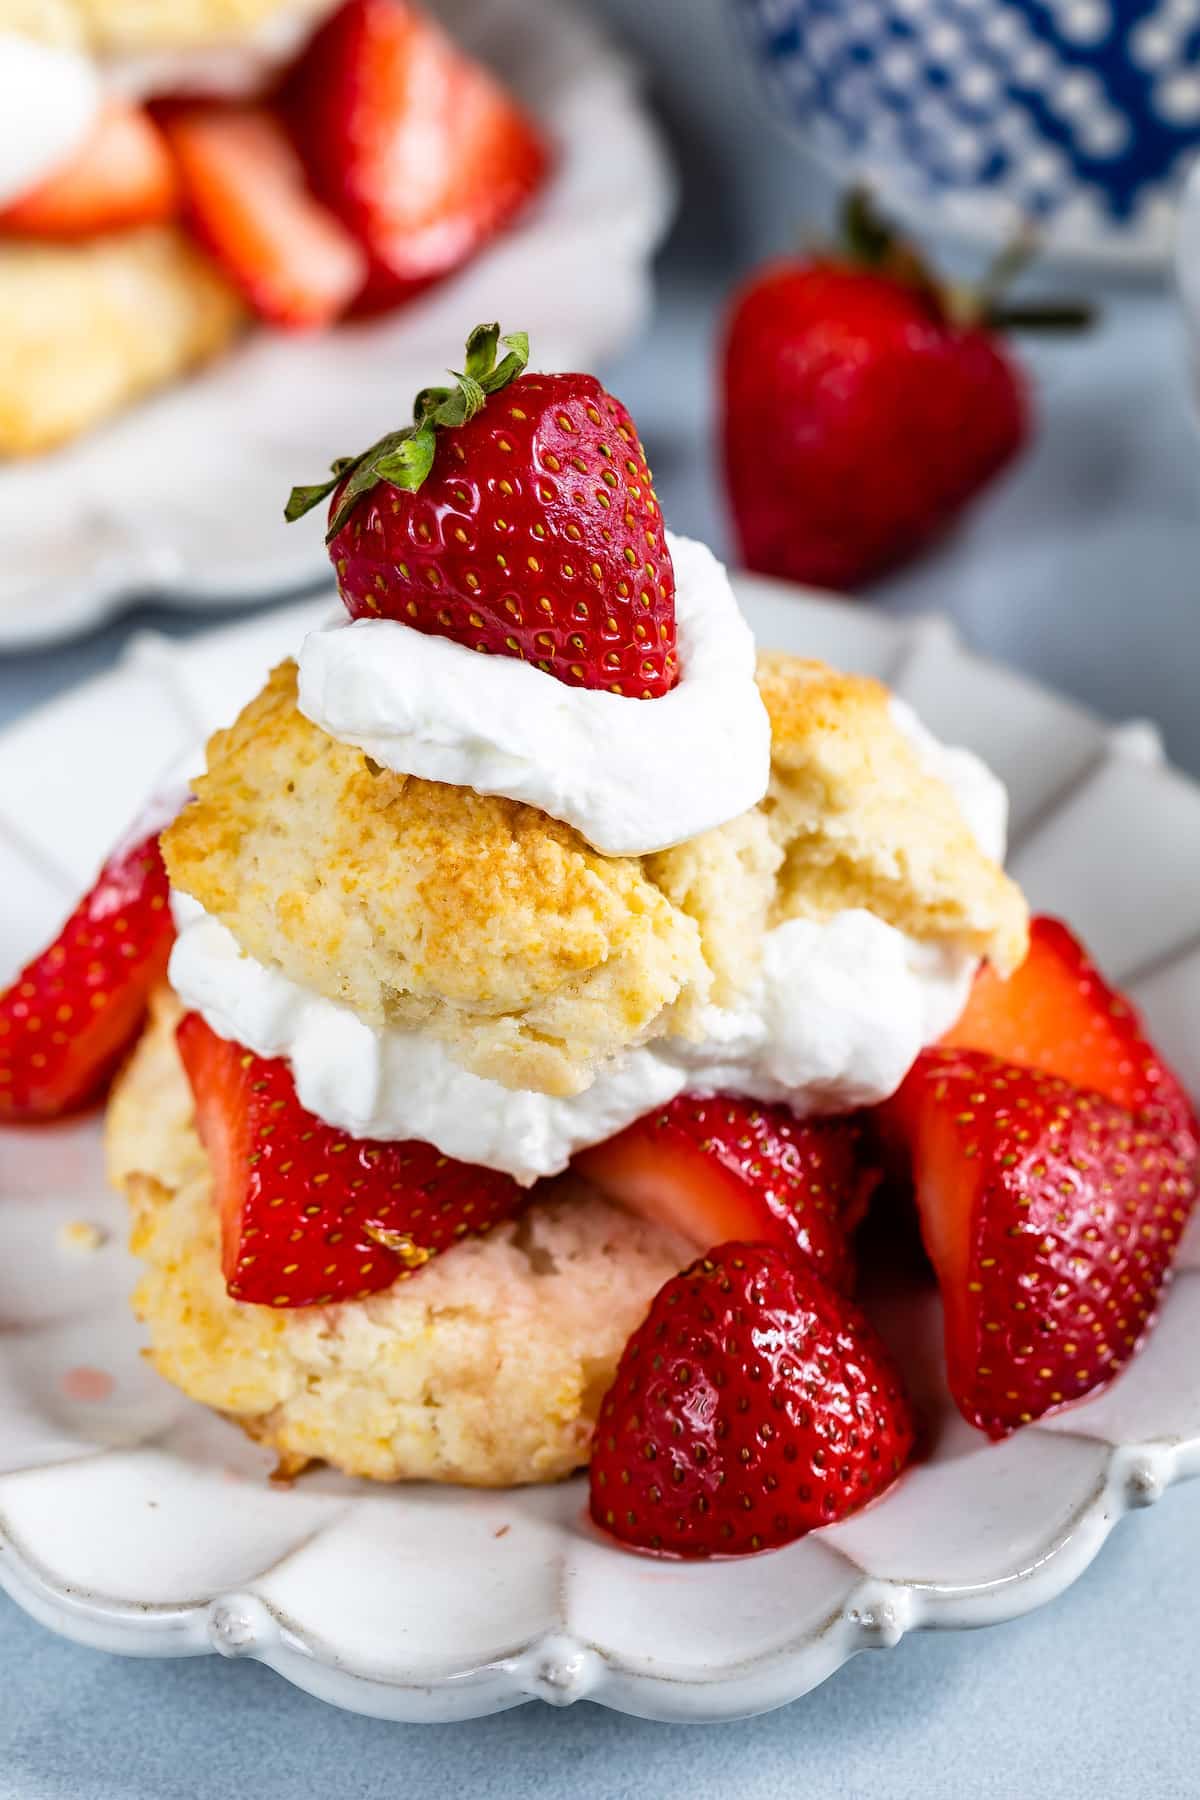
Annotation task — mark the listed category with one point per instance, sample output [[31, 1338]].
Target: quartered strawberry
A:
[[310, 1215], [726, 1170], [415, 146], [516, 516], [751, 1406], [1058, 1013], [246, 198], [121, 176], [70, 1016], [1051, 1216]]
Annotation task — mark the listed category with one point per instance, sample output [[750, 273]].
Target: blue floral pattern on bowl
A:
[[1080, 114]]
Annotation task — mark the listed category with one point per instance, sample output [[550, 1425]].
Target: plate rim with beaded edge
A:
[[135, 1521], [177, 499]]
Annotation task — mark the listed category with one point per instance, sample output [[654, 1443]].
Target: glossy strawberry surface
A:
[[536, 534], [1052, 1217], [310, 1215], [722, 1168], [753, 1405], [72, 1013], [1058, 1013]]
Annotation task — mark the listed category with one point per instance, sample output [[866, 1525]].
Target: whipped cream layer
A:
[[981, 796], [838, 1014], [632, 776], [49, 99], [836, 1018]]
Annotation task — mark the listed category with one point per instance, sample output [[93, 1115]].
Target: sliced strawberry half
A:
[[1058, 1013], [72, 1013], [121, 176], [246, 198], [310, 1215], [724, 1169], [1051, 1216], [413, 144], [752, 1405]]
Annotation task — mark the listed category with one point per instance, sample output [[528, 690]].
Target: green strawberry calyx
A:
[[404, 458]]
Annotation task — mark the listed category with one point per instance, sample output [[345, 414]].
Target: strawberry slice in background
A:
[[1058, 1013], [752, 1405], [516, 516], [1051, 1216], [121, 176], [415, 146], [310, 1215], [246, 198], [71, 1014], [725, 1169]]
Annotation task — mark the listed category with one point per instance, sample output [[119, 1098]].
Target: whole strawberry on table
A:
[[866, 402]]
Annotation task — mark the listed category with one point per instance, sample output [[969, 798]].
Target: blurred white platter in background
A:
[[132, 1520], [181, 498]]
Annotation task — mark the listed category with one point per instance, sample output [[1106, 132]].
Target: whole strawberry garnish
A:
[[1051, 1217], [416, 147], [752, 1405], [72, 1013], [1058, 1013], [725, 1169], [310, 1215], [517, 516], [864, 404]]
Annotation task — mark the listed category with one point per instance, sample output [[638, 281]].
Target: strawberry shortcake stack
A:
[[555, 986], [172, 173]]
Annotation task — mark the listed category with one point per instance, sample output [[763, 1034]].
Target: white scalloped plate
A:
[[135, 1521], [182, 497]]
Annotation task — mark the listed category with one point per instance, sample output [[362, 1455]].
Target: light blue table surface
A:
[[1083, 567]]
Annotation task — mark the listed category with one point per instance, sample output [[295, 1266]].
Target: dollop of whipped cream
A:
[[981, 796], [49, 99], [836, 1018], [632, 776]]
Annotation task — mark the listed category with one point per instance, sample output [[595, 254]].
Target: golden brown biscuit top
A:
[[528, 953]]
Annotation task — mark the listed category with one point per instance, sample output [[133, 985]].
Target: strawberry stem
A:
[[873, 243], [1041, 315], [404, 458]]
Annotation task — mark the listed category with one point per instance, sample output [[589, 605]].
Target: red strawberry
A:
[[1051, 1217], [517, 517], [310, 1215], [246, 199], [416, 147], [863, 407], [1057, 1013], [70, 1016], [121, 176], [752, 1405], [724, 1170]]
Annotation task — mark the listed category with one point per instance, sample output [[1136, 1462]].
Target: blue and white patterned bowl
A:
[[976, 114]]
